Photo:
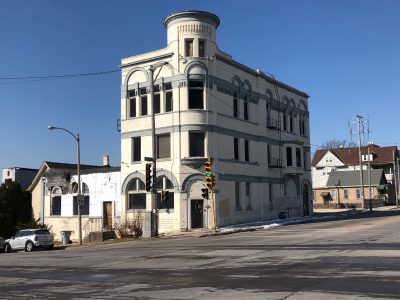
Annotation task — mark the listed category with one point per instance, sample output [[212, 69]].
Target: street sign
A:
[[146, 158], [80, 199]]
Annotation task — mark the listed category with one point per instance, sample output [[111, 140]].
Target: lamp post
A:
[[78, 165]]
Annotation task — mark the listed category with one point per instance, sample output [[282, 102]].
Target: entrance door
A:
[[107, 214], [197, 213]]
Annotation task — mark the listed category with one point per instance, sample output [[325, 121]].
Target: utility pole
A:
[[154, 222], [397, 164], [369, 180], [359, 157], [395, 177]]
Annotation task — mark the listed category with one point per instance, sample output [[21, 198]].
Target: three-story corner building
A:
[[254, 127]]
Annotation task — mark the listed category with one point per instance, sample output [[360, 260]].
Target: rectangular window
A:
[[305, 159], [157, 99], [56, 206], [235, 148], [196, 144], [291, 123], [284, 122], [168, 204], [271, 197], [289, 161], [245, 110], [333, 194], [346, 194], [269, 154], [235, 105], [358, 193], [196, 98], [137, 201], [189, 47], [248, 198], [246, 151], [84, 207], [143, 100], [201, 48], [164, 146], [132, 107], [136, 149], [298, 157], [237, 195], [168, 97]]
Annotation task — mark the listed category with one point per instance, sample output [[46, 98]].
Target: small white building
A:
[[54, 198], [208, 105], [23, 176]]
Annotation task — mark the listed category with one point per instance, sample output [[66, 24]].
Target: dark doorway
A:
[[306, 207], [197, 213], [107, 215]]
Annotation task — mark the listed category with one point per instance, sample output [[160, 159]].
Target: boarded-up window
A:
[[137, 201], [163, 146]]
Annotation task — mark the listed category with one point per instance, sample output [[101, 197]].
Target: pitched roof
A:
[[349, 156], [352, 178]]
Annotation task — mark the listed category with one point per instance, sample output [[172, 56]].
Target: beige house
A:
[[343, 189], [208, 105], [54, 198]]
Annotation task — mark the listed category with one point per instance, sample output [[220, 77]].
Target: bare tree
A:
[[334, 143]]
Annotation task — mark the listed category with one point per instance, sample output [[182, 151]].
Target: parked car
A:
[[2, 240], [29, 239]]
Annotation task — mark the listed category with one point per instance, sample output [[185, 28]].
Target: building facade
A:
[[54, 198], [326, 162], [207, 105], [23, 176]]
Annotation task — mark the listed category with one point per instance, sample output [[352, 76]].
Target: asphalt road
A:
[[347, 259]]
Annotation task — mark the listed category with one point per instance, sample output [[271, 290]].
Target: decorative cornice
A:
[[193, 14], [146, 60]]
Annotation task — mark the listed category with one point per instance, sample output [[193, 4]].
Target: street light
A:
[[76, 137]]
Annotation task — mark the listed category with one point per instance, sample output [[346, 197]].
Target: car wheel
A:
[[29, 247], [7, 248]]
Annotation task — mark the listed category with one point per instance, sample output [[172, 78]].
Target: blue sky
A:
[[344, 54]]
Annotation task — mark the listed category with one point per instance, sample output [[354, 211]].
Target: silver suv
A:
[[29, 239]]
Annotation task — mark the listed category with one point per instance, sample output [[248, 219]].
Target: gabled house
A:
[[343, 189], [54, 197], [327, 161], [23, 176]]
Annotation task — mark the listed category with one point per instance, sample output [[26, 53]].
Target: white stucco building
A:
[[208, 105]]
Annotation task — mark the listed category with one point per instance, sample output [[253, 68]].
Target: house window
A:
[[291, 122], [346, 194], [268, 154], [284, 122], [333, 194], [136, 149], [248, 198], [302, 127], [201, 48], [298, 157], [157, 99], [189, 47], [56, 201], [168, 97], [143, 102], [84, 208], [235, 105], [246, 150], [235, 148], [164, 184], [237, 195], [196, 143], [132, 107], [289, 161], [136, 194], [196, 98], [163, 146], [245, 109], [358, 193]]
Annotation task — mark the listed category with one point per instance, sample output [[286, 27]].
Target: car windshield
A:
[[41, 231]]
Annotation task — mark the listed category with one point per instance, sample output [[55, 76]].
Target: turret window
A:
[[196, 90], [188, 47], [201, 48]]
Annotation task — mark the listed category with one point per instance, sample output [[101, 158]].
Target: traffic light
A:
[[204, 194], [148, 177], [207, 168], [213, 181], [164, 196]]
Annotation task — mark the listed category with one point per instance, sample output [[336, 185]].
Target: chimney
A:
[[106, 161]]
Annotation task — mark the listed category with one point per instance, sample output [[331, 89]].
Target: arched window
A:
[[136, 194], [165, 185], [55, 204], [85, 207]]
